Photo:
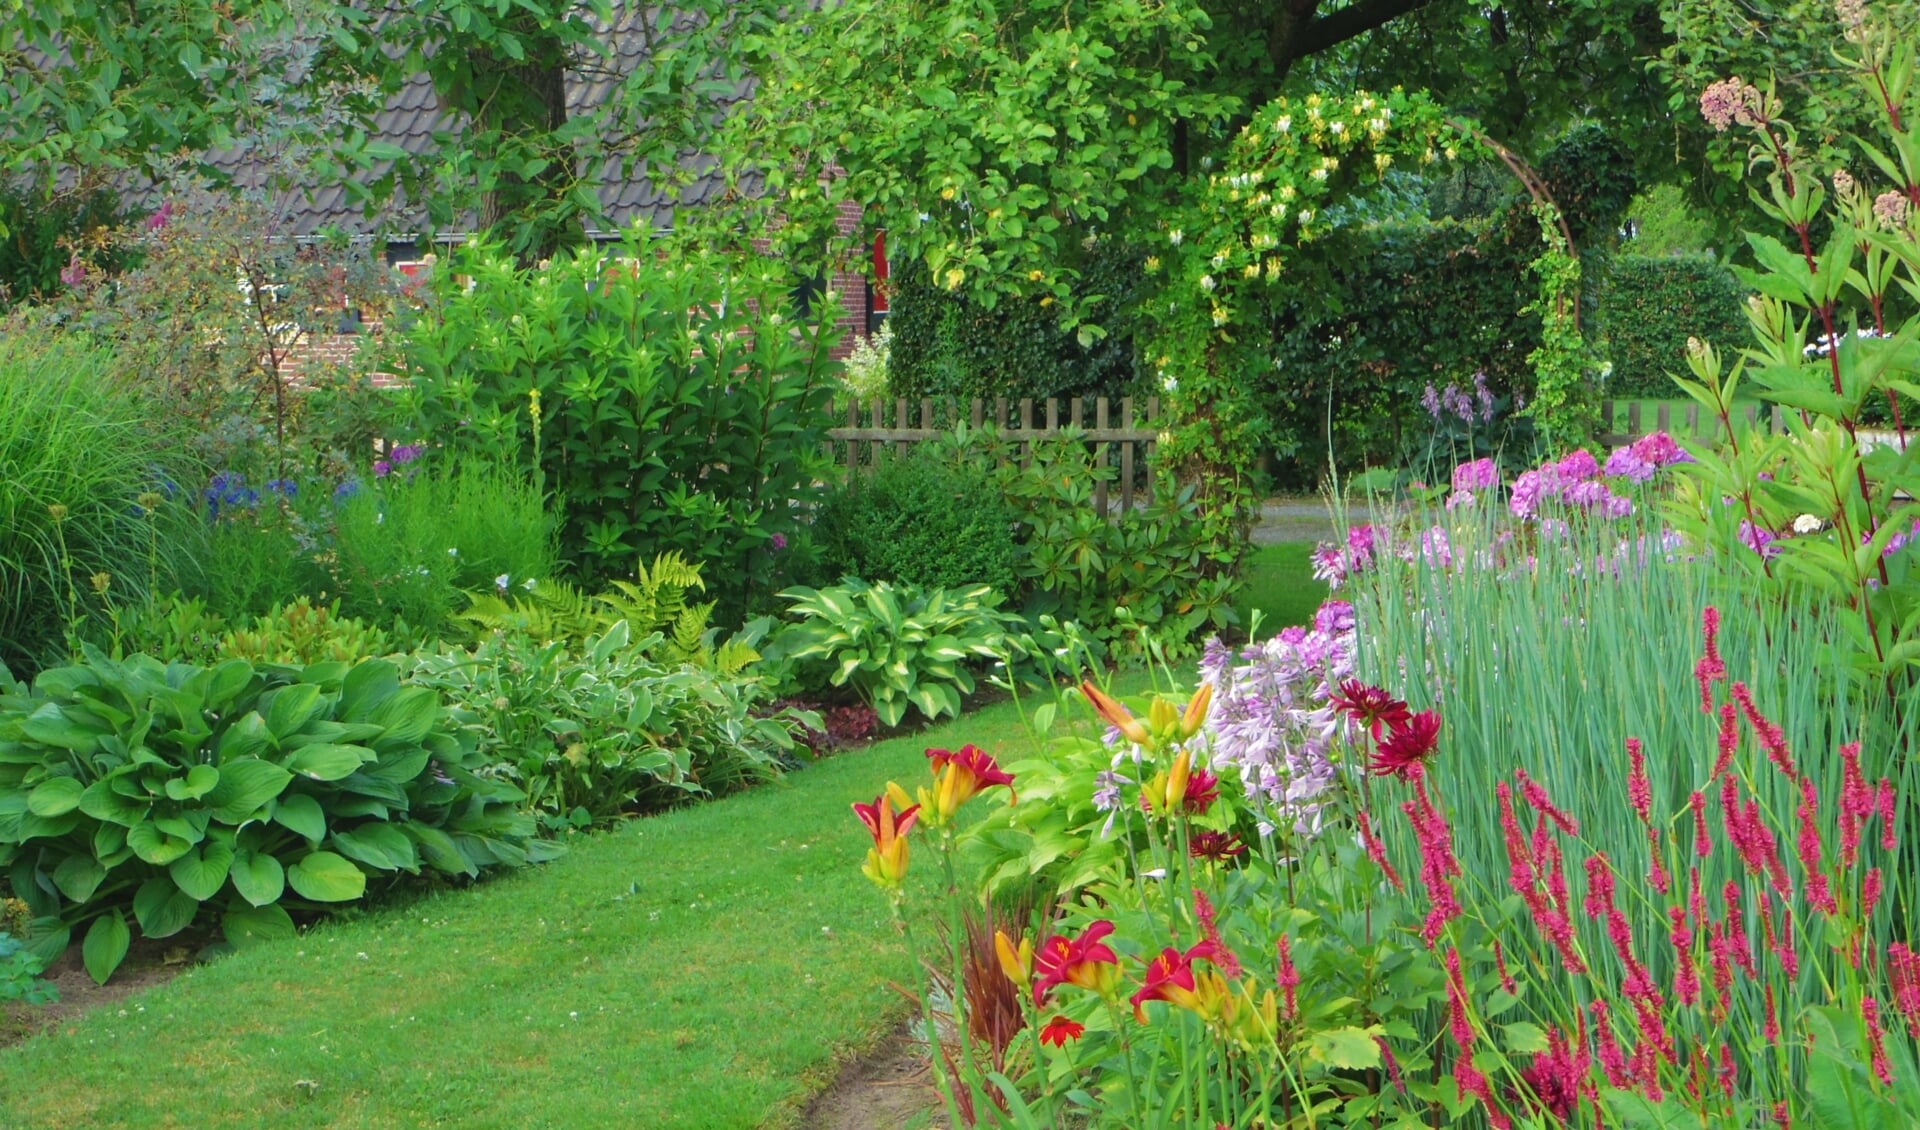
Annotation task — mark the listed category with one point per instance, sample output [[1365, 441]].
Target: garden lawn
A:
[[1279, 583], [707, 968]]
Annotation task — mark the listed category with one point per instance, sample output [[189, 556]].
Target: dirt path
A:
[[889, 1088]]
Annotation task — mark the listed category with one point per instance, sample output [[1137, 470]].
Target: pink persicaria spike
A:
[[1870, 888], [1856, 803], [1702, 842], [1885, 797], [1612, 1060], [1819, 891], [1686, 979], [1738, 945], [1289, 977], [1656, 869], [1729, 740], [1711, 668], [1772, 738], [1536, 796], [1378, 853], [1903, 978], [1639, 789], [1877, 1040]]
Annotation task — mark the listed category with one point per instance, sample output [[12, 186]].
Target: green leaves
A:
[[244, 787], [325, 877], [106, 946], [55, 797]]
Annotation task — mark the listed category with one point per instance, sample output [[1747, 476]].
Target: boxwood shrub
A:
[[1654, 304]]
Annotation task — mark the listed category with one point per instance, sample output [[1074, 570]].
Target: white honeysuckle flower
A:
[[1206, 282], [1175, 236], [1807, 524]]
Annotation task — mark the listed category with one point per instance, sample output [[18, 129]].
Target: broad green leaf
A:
[[440, 850], [246, 738], [78, 876], [258, 877], [154, 846], [199, 781], [105, 803], [408, 716], [302, 814], [325, 877], [328, 762], [162, 908], [251, 925], [55, 797], [1345, 1049], [244, 787], [378, 845], [106, 945], [203, 871], [1523, 1038]]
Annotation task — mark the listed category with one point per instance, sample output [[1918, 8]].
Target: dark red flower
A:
[[1217, 846], [1408, 746], [1372, 707], [1086, 961], [1060, 1030], [1203, 788]]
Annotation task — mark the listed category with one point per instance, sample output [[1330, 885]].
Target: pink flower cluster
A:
[[1334, 563], [1731, 101]]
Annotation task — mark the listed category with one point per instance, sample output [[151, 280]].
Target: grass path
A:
[[702, 969]]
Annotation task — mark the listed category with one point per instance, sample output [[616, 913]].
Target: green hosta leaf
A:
[[329, 762], [440, 850], [78, 876], [245, 786], [408, 715], [1346, 1049], [55, 797], [154, 846], [162, 908], [246, 738], [325, 877], [199, 781], [404, 767], [203, 871], [301, 814], [378, 845], [291, 707], [258, 877], [251, 925], [106, 945], [108, 805]]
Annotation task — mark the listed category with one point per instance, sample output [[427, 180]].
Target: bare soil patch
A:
[[148, 964], [889, 1088]]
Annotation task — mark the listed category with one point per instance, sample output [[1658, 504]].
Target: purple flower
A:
[[1430, 400], [1660, 449], [1589, 494], [347, 489], [1460, 498], [1626, 462], [1360, 542], [407, 453], [1759, 539], [1616, 506], [1435, 547], [75, 272], [1329, 564], [1484, 395], [382, 469], [779, 542], [1528, 490], [1578, 467], [161, 218], [1481, 474], [1334, 617]]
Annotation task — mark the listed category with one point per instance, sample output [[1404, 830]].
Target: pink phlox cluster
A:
[[1480, 474], [1334, 562]]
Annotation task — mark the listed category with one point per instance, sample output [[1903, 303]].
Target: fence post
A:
[[1026, 432], [1664, 415], [1606, 417], [1100, 458], [1693, 422], [1153, 421], [1633, 420]]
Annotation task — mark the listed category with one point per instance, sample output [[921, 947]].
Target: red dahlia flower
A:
[[1408, 746], [1369, 706], [1217, 846]]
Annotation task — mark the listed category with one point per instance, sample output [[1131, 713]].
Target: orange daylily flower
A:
[[958, 777], [887, 859]]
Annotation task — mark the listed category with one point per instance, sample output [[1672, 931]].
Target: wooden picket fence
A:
[[878, 430], [1691, 421]]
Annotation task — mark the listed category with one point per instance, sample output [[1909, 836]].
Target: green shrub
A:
[[179, 792], [255, 557], [920, 521], [900, 646], [599, 731], [409, 544], [1653, 305], [20, 974], [669, 403], [180, 629], [76, 438]]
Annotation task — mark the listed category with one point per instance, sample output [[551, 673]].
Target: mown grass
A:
[[1280, 584], [706, 968]]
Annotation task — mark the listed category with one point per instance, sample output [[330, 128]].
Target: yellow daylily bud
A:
[[901, 801], [1162, 716], [1016, 963], [1196, 714], [1117, 714], [1177, 780]]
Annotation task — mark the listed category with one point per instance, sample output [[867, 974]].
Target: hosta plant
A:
[[901, 646], [599, 731], [137, 794]]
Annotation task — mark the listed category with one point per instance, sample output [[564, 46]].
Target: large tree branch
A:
[[1353, 20]]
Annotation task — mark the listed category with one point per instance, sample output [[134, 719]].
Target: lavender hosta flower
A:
[[1271, 720], [1430, 400], [1900, 541], [1484, 395]]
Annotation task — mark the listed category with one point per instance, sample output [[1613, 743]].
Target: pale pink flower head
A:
[[1481, 474], [1891, 209], [1729, 102], [1578, 467]]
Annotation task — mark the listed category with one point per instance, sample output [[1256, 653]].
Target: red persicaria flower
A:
[[1657, 876], [1536, 796], [1903, 976], [1686, 979], [1220, 955], [1887, 841], [1639, 789], [1877, 1040], [1086, 961], [1378, 853], [1729, 1074], [1702, 843], [1783, 941], [1289, 977], [1819, 891], [1599, 885], [1772, 738], [1437, 863], [1458, 1022], [1738, 946], [1217, 846], [1870, 892], [1553, 1079], [1059, 1031], [1407, 748], [1500, 963], [1646, 1068], [1612, 1060], [1729, 740], [1722, 969], [1372, 707], [1856, 803], [1711, 668]]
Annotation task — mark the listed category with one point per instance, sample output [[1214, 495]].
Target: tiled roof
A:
[[413, 115]]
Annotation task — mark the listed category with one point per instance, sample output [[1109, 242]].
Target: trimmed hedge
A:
[[949, 345], [1653, 304]]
